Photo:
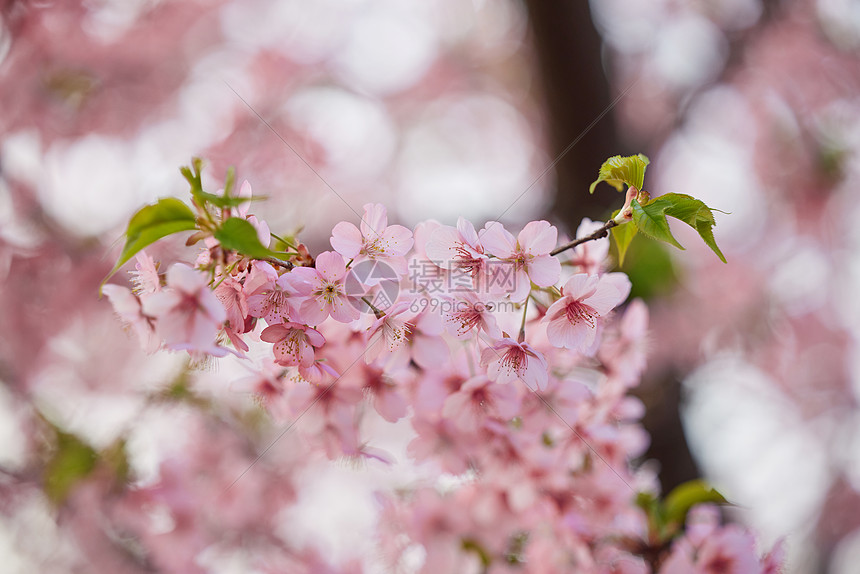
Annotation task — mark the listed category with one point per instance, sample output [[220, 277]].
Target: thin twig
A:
[[599, 234], [278, 262]]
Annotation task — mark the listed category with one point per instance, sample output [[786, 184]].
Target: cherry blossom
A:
[[188, 313], [293, 343], [507, 360], [374, 240], [467, 312], [270, 297], [574, 320], [590, 257], [527, 257], [458, 249], [130, 310], [324, 289]]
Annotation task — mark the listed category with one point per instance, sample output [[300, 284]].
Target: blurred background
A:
[[486, 109]]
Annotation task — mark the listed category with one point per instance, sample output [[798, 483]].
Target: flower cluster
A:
[[513, 375]]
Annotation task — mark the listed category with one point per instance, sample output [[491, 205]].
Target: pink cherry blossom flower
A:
[[130, 310], [465, 311], [590, 257], [385, 395], [388, 333], [232, 297], [294, 343], [145, 276], [317, 372], [480, 398], [375, 240], [526, 258], [270, 297], [458, 250], [506, 361], [573, 321], [188, 313], [267, 386], [325, 290]]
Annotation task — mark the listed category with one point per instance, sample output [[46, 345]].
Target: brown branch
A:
[[599, 234]]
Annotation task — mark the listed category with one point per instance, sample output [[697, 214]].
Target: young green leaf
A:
[[650, 219], [697, 215], [192, 175], [622, 235], [150, 224], [239, 235], [224, 201], [694, 213], [617, 170], [684, 496]]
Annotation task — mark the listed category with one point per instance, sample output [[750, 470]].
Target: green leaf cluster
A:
[[618, 170], [667, 517], [170, 215]]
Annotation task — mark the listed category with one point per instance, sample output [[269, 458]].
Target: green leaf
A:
[[684, 496], [239, 235], [650, 219], [224, 201], [150, 224], [192, 174], [622, 235], [694, 213], [617, 170], [72, 461]]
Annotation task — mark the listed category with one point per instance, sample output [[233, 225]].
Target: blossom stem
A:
[[278, 262], [376, 311], [522, 336], [599, 234]]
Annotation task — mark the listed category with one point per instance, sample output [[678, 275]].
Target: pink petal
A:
[[212, 306], [562, 333], [536, 372], [621, 282], [160, 303], [497, 240], [274, 333], [331, 266], [544, 270], [442, 245], [304, 280], [315, 337], [263, 232], [346, 239], [538, 238], [123, 301], [202, 331], [580, 285], [374, 221], [429, 351], [467, 232], [184, 278], [522, 284], [604, 299], [391, 405], [397, 240], [342, 311], [314, 311]]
